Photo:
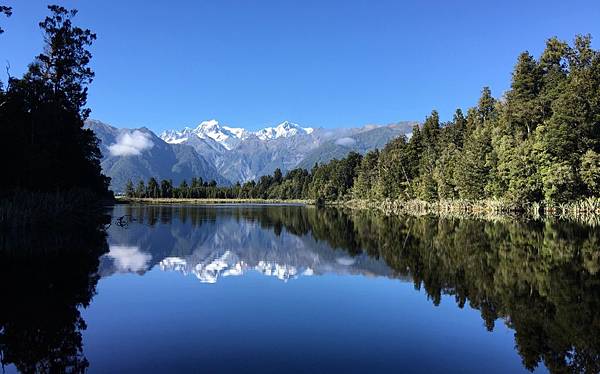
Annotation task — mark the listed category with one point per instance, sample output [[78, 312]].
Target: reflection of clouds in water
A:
[[346, 261], [128, 258]]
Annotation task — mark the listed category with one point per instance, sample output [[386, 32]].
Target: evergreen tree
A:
[[590, 171], [42, 115], [367, 175], [129, 191], [140, 190], [153, 189]]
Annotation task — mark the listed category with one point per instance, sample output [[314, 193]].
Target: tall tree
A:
[[42, 115]]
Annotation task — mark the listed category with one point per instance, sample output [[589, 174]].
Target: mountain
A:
[[229, 154], [241, 155], [362, 141], [139, 154], [230, 137], [283, 130], [209, 131]]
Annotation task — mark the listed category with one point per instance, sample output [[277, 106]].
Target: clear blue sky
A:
[[165, 64]]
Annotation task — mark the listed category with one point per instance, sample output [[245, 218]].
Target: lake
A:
[[293, 289]]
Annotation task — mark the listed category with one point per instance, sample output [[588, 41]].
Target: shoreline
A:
[[209, 201], [587, 210]]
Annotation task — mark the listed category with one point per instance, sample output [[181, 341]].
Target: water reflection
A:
[[45, 278], [229, 241], [540, 278]]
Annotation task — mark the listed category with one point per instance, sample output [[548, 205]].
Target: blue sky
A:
[[318, 63]]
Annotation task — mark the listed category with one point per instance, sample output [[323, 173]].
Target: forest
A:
[[539, 142]]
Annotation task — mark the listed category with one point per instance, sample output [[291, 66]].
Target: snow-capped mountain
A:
[[230, 137], [232, 153], [226, 136], [283, 130]]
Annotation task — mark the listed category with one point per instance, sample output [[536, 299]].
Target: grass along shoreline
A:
[[582, 210], [207, 201]]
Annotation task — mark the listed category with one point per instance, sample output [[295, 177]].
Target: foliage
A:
[[43, 144], [539, 144]]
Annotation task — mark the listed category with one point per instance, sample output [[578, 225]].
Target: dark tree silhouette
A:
[[43, 143]]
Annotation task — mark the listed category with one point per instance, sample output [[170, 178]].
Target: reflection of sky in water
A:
[[344, 311]]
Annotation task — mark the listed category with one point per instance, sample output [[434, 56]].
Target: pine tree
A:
[[367, 175], [140, 190], [153, 189], [129, 191]]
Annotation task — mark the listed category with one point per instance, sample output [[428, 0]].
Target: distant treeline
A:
[[540, 142]]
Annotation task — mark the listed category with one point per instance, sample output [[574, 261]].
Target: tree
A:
[[166, 188], [473, 172], [277, 176], [153, 189], [140, 190], [590, 171], [523, 108], [129, 191], [366, 177], [64, 62], [42, 116]]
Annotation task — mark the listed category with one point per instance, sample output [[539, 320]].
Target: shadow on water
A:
[[542, 279], [45, 278]]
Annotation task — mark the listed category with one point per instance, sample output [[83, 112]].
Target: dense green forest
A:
[[539, 142]]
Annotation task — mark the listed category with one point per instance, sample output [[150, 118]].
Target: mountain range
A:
[[229, 154]]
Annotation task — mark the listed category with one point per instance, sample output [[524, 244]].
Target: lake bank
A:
[[207, 201], [587, 210]]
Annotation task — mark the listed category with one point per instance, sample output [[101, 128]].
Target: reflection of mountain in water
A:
[[225, 244], [542, 279]]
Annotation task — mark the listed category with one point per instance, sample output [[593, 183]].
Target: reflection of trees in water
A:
[[44, 280], [541, 278]]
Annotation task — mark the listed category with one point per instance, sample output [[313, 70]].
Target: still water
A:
[[291, 289]]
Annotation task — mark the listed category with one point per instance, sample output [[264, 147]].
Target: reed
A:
[[585, 210], [23, 211]]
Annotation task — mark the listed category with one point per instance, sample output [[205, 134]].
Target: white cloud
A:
[[346, 142], [128, 259], [131, 144]]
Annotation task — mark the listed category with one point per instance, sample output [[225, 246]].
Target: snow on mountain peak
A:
[[229, 137], [283, 130], [229, 264]]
